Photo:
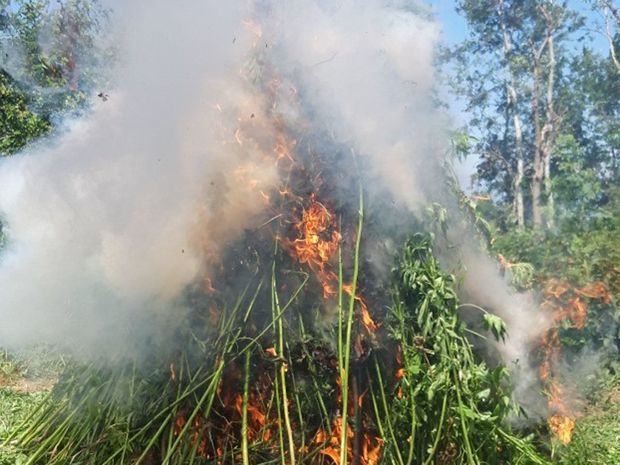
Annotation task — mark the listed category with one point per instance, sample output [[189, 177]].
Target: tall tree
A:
[[513, 104], [521, 44], [489, 73]]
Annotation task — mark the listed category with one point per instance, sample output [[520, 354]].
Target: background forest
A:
[[540, 101]]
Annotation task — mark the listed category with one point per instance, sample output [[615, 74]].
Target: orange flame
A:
[[257, 419], [562, 421], [370, 453], [271, 351], [319, 239], [332, 442], [316, 245], [562, 427], [179, 423]]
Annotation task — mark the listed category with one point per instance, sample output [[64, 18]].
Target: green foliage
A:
[[522, 275], [493, 76], [579, 252], [577, 186], [15, 407], [496, 325], [447, 407], [18, 125], [53, 63]]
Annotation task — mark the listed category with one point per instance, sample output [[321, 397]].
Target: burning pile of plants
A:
[[266, 379], [298, 348]]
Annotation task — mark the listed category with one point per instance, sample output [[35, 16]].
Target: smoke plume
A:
[[108, 224]]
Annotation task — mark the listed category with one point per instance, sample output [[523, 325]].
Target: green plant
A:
[[445, 406]]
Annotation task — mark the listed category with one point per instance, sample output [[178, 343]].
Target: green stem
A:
[[282, 367], [344, 370], [315, 384], [244, 417], [431, 453], [470, 455], [386, 412], [207, 397]]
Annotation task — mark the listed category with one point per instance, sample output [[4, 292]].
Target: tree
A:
[[511, 58], [611, 15], [568, 100], [493, 90], [18, 125], [53, 52]]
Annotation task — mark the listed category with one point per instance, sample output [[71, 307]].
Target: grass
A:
[[15, 406], [25, 379], [35, 363], [596, 440]]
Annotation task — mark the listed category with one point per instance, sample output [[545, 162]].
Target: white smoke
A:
[[109, 224], [368, 69], [105, 226], [526, 323]]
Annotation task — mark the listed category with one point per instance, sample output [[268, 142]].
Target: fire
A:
[[566, 303], [316, 246], [256, 418], [271, 351], [596, 290], [179, 423], [371, 446], [371, 454], [318, 240], [400, 371], [367, 320], [332, 442], [283, 148], [562, 427], [312, 236]]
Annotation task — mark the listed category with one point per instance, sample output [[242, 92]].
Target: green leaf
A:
[[496, 325]]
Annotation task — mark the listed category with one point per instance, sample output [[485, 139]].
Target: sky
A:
[[454, 28]]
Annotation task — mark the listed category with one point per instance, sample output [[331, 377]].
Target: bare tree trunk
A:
[[549, 130], [538, 167], [520, 174], [613, 9], [610, 13], [548, 135], [517, 190], [544, 133]]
